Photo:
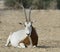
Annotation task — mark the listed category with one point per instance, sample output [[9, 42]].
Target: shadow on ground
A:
[[43, 46]]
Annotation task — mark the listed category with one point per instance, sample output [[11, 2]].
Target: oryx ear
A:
[[21, 23], [24, 24]]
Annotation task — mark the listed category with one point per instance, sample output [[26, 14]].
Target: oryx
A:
[[23, 38]]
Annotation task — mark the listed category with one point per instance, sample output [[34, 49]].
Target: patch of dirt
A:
[[46, 22]]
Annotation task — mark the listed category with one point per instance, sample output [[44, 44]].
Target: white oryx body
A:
[[17, 37]]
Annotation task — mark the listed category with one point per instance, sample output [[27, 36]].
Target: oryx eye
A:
[[30, 25], [24, 25]]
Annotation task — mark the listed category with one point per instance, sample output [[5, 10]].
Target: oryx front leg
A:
[[21, 45], [8, 40]]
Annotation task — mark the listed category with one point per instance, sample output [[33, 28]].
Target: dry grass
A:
[[46, 22]]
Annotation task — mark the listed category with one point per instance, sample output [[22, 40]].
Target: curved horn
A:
[[25, 15], [24, 12], [21, 5], [30, 14]]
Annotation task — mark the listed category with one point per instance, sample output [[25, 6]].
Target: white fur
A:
[[19, 36]]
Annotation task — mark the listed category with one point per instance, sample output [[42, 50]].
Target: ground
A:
[[46, 23]]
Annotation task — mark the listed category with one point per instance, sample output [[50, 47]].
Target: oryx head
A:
[[28, 23]]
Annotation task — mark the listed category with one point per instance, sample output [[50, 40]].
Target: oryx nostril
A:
[[28, 34]]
